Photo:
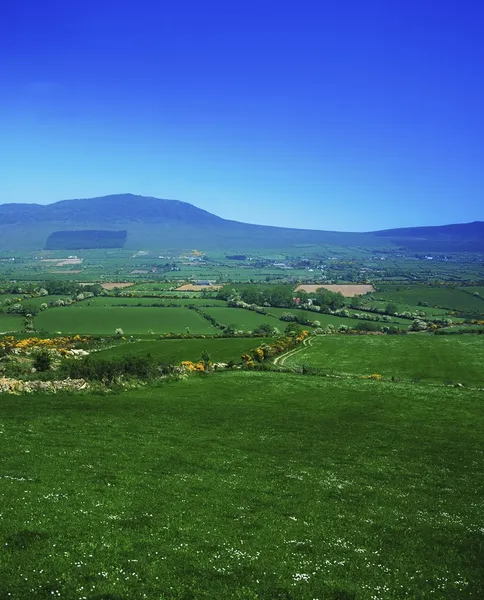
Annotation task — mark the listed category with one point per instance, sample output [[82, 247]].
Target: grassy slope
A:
[[244, 486], [426, 357], [174, 351], [81, 318], [453, 299]]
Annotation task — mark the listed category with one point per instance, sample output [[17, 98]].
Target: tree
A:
[[42, 361], [390, 308], [293, 329], [205, 359], [418, 325], [265, 328]]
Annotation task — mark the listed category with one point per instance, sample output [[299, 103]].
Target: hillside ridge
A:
[[166, 223]]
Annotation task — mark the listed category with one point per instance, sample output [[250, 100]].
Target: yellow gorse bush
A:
[[8, 343], [191, 366]]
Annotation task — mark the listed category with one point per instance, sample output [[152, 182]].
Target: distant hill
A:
[[174, 225], [462, 237]]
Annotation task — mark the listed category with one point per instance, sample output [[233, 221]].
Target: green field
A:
[[132, 302], [149, 287], [244, 486], [444, 297], [452, 359], [475, 290], [174, 351], [10, 323], [81, 318], [430, 311]]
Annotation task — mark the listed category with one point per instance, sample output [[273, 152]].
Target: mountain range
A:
[[141, 222]]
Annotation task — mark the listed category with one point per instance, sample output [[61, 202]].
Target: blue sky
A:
[[327, 115]]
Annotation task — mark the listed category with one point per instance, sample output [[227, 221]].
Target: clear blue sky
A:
[[351, 115]]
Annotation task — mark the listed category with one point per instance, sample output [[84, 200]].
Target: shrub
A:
[[42, 361]]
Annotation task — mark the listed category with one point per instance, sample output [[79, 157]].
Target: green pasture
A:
[[436, 358], [10, 323], [134, 302], [158, 286], [475, 290], [443, 297], [81, 318], [174, 351], [430, 311], [243, 486]]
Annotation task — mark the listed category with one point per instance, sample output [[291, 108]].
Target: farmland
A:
[[132, 320], [334, 464], [429, 358], [445, 297], [108, 301], [208, 489], [10, 323], [348, 291]]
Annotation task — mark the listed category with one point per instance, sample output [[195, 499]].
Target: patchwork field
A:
[[244, 485], [81, 318], [450, 359]]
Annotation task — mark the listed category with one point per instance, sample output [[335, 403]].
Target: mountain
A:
[[462, 237], [144, 222]]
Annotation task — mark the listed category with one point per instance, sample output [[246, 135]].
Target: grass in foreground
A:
[[246, 486]]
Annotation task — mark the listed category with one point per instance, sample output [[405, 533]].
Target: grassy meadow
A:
[[246, 486], [81, 318], [438, 296], [432, 358], [10, 323]]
